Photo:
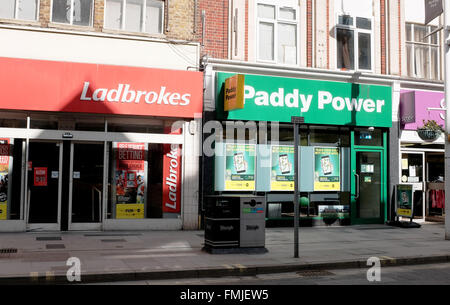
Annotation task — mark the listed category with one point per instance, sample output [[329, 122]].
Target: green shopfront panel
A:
[[320, 102]]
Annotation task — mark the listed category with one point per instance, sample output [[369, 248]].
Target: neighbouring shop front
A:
[[343, 165], [96, 147], [422, 151]]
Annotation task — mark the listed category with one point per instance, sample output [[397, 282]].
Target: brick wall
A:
[[216, 28], [181, 19]]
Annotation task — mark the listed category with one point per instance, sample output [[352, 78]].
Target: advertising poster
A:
[[405, 200], [40, 176], [130, 180], [327, 171], [240, 167], [172, 179], [334, 211], [4, 171], [282, 177]]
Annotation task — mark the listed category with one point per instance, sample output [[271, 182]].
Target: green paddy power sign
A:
[[319, 102]]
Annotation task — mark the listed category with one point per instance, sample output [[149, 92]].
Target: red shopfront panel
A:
[[91, 88]]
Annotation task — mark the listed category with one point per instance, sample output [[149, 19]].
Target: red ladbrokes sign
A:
[[91, 88]]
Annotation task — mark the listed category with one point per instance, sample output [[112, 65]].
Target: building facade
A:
[[98, 115], [343, 66]]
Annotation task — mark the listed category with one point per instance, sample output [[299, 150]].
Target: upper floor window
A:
[[422, 53], [146, 16], [19, 9], [277, 33], [354, 43], [73, 12]]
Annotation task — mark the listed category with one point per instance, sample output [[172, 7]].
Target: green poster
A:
[[327, 171], [282, 177], [404, 200], [240, 167]]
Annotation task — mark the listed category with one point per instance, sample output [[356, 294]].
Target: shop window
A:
[[10, 178], [13, 123], [277, 33], [286, 135], [146, 16], [329, 136], [366, 137], [44, 123], [240, 131], [423, 53], [412, 168], [73, 12], [19, 9], [354, 43], [145, 181], [90, 126], [137, 128]]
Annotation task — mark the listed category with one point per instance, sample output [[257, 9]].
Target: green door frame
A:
[[383, 156]]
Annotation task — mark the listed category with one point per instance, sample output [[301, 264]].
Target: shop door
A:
[[368, 187], [86, 186], [44, 185]]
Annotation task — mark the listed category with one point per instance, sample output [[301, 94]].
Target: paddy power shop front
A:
[[343, 154]]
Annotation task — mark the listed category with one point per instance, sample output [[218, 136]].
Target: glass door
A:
[[367, 189], [44, 185], [86, 186]]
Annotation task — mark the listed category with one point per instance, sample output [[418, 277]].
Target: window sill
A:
[[71, 27], [140, 34], [20, 22]]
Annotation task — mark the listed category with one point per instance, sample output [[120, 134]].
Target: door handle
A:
[[357, 186]]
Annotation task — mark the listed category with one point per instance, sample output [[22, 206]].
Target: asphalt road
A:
[[438, 274]]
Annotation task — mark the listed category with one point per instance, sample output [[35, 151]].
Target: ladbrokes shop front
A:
[[344, 144], [97, 147]]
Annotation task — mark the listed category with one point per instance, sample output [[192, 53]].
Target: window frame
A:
[[91, 22], [356, 32], [142, 25], [429, 46], [278, 5], [16, 13]]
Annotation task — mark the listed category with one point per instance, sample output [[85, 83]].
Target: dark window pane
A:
[[61, 11], [363, 23], [345, 20], [365, 57], [345, 49], [82, 12]]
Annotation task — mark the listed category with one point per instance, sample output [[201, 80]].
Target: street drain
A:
[[8, 250], [314, 273]]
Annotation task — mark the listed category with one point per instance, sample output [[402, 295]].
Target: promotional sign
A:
[[40, 176], [282, 177], [405, 200], [433, 9], [327, 172], [5, 150], [234, 92], [172, 179], [240, 167], [130, 180], [94, 88], [319, 102]]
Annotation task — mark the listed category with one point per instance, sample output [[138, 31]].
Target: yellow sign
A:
[[3, 207], [234, 92], [404, 212], [240, 185], [130, 211]]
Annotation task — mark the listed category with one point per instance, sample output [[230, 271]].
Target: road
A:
[[438, 274]]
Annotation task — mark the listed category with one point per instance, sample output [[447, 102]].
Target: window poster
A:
[[4, 173], [405, 200], [282, 176], [40, 176], [240, 167], [130, 180], [327, 171]]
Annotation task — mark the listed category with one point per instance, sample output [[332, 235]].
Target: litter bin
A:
[[252, 222]]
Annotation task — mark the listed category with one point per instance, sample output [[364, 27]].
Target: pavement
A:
[[41, 258]]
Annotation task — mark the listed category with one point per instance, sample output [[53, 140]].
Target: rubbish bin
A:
[[252, 222]]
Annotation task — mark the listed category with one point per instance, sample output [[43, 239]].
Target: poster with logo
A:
[[172, 179], [40, 176], [327, 171], [130, 180], [240, 167], [5, 149], [282, 176], [405, 200]]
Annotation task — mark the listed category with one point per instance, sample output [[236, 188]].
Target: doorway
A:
[[65, 185]]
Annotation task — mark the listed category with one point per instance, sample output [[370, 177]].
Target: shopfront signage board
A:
[[234, 92]]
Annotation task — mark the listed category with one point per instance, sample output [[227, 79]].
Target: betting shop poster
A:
[[130, 180], [4, 172], [240, 167], [327, 172], [282, 177]]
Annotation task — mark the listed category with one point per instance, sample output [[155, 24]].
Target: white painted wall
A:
[[360, 8], [97, 49], [415, 12]]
